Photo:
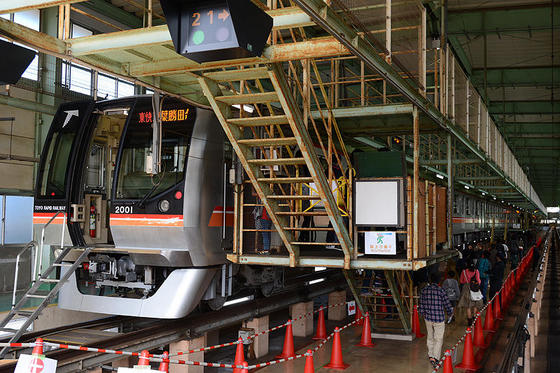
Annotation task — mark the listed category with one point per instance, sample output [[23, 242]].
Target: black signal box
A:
[[14, 61], [217, 30]]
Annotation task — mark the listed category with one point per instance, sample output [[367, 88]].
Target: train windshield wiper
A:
[[147, 195]]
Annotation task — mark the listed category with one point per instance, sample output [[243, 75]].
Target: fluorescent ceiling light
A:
[[467, 187], [247, 108], [316, 281], [238, 300], [439, 176]]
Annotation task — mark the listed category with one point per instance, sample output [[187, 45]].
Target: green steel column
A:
[[450, 178]]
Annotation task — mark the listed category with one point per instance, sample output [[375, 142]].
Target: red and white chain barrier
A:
[[301, 317], [160, 358]]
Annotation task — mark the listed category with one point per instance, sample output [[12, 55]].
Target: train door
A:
[[90, 197], [56, 170]]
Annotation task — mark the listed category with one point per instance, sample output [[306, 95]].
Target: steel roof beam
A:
[[368, 111], [11, 6], [480, 178], [325, 17], [524, 107], [130, 39], [314, 48]]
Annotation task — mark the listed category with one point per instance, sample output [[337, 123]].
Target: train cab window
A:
[[135, 176], [54, 174], [53, 170]]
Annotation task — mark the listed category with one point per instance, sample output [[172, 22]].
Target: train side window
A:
[[467, 206]]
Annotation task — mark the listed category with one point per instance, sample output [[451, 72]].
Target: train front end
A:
[[156, 219]]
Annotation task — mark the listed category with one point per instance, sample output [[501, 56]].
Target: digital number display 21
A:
[[208, 26]]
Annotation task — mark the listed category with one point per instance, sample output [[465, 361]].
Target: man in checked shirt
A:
[[433, 305]]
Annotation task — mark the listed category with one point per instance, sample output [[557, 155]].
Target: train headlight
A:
[[164, 205]]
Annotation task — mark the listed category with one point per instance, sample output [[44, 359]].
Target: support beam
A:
[[443, 162], [27, 105], [313, 48], [131, 39], [415, 183], [13, 6], [479, 178], [360, 112], [450, 191]]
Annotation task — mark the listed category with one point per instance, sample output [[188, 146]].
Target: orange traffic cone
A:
[[383, 307], [489, 319], [245, 367], [416, 323], [144, 360], [336, 353], [288, 350], [38, 349], [497, 309], [358, 317], [164, 365], [239, 356], [447, 363], [309, 367], [321, 328], [366, 334], [468, 362], [479, 334]]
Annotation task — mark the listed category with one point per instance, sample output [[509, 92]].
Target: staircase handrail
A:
[[29, 245]]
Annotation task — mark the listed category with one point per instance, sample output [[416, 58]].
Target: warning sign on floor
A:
[[35, 364], [351, 308]]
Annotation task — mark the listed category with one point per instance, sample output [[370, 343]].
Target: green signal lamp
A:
[[206, 31]]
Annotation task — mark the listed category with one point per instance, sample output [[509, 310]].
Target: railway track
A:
[[159, 333]]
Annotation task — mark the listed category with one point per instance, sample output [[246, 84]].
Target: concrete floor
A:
[[386, 356]]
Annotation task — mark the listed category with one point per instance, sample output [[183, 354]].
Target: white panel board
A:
[[377, 203]]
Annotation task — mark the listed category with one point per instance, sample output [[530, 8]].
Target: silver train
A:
[[474, 218], [159, 237]]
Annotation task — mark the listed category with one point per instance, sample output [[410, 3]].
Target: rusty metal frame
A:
[[211, 90], [293, 113]]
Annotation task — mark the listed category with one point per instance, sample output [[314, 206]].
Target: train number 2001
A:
[[123, 209]]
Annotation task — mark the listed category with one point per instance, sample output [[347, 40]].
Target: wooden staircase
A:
[[276, 150]]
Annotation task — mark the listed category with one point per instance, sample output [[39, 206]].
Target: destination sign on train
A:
[[172, 115], [206, 31]]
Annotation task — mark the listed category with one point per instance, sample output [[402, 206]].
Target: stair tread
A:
[[305, 197], [285, 180], [303, 229], [248, 98], [277, 161], [238, 74], [315, 243], [269, 141], [259, 121], [49, 280], [307, 213]]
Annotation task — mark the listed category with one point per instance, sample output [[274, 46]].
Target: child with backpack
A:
[[451, 288], [471, 296]]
